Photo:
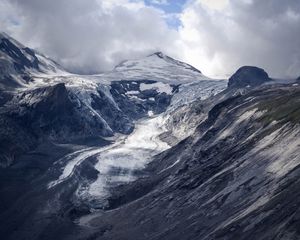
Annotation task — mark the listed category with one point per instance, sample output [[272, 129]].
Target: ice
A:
[[127, 156], [150, 113], [132, 92], [68, 170], [116, 163], [192, 91], [158, 86]]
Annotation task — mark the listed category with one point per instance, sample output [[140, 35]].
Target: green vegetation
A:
[[284, 108]]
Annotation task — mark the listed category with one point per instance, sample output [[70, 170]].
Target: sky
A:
[[216, 36]]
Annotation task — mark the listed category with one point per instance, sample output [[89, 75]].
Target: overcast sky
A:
[[216, 36]]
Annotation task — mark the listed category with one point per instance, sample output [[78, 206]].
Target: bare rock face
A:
[[18, 62], [23, 57], [248, 76]]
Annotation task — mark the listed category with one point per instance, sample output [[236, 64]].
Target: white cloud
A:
[[219, 39], [91, 37], [217, 36], [160, 2], [215, 4]]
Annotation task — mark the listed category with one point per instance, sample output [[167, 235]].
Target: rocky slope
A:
[[150, 150], [17, 63], [236, 177]]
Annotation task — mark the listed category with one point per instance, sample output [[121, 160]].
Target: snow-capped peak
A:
[[174, 61], [157, 67]]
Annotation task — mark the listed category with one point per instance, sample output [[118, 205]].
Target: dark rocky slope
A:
[[17, 62], [182, 121], [236, 177], [51, 113]]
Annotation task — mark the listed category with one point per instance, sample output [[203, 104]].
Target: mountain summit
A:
[[248, 76], [157, 66]]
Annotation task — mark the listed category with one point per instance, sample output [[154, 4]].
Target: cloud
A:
[[215, 4], [91, 37], [217, 36], [220, 38], [160, 2]]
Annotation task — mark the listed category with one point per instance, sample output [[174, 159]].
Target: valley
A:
[[152, 149]]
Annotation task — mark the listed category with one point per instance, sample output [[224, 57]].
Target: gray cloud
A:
[[244, 32], [91, 36], [217, 36]]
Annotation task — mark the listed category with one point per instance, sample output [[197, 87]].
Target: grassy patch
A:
[[284, 107]]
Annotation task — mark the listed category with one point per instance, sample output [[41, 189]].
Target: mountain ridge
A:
[[109, 104], [150, 150]]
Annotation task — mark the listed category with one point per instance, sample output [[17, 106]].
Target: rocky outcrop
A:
[[248, 76], [137, 102]]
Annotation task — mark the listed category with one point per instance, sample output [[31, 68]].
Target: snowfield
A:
[[157, 66], [159, 86]]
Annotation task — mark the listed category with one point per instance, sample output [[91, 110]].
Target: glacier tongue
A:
[[117, 163]]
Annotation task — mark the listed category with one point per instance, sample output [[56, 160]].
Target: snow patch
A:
[[132, 92], [158, 86]]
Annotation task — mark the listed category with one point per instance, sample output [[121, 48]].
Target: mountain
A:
[[17, 62], [248, 76], [158, 67], [235, 177], [50, 104], [149, 150]]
